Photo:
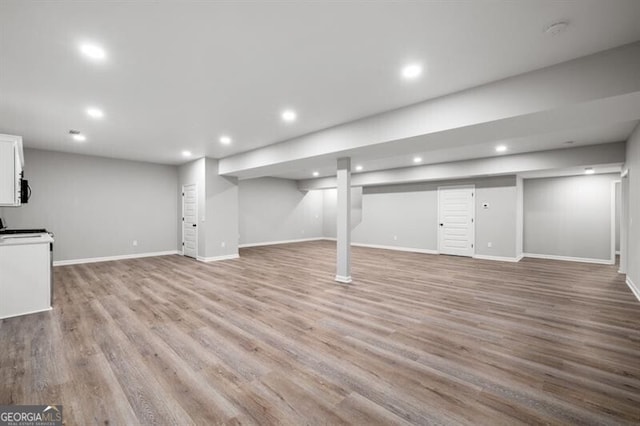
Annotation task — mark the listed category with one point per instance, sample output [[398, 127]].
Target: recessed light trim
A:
[[93, 51], [225, 140], [411, 71], [417, 160], [359, 168], [289, 115], [95, 113], [186, 153], [589, 171], [316, 174], [501, 148], [79, 137]]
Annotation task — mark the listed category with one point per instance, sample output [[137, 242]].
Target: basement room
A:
[[320, 213]]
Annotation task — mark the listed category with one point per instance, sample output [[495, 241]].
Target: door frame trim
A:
[[613, 219], [473, 214], [182, 221]]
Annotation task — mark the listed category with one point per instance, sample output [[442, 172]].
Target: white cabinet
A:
[[11, 165], [25, 274]]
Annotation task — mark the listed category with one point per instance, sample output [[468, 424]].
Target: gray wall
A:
[[97, 206], [329, 206], [276, 210], [633, 208], [221, 227], [407, 215], [569, 216]]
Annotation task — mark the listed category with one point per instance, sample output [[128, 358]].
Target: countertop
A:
[[25, 239]]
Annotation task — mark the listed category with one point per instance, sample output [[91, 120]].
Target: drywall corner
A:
[[221, 223], [519, 216], [633, 206]]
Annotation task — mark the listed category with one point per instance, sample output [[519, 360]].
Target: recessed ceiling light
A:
[[412, 71], [557, 28], [225, 140], [95, 113], [501, 148], [186, 153], [93, 51], [359, 168], [316, 174], [417, 159], [289, 115], [589, 171]]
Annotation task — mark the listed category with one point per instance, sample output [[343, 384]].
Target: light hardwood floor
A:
[[270, 338]]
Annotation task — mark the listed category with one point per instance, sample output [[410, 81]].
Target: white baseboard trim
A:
[[409, 249], [217, 258], [497, 258], [617, 252], [569, 258], [273, 243], [111, 258], [27, 313], [342, 279], [634, 289]]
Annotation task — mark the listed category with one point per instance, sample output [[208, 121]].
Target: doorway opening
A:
[[190, 221]]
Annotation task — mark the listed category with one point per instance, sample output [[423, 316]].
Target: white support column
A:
[[343, 221]]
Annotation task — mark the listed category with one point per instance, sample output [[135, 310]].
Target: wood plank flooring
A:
[[270, 338]]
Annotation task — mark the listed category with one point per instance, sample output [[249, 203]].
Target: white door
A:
[[456, 227], [190, 220]]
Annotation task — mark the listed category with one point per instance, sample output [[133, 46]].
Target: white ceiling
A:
[[180, 74]]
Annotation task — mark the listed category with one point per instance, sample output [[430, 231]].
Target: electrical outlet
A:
[[489, 244], [135, 243], [223, 244], [395, 238]]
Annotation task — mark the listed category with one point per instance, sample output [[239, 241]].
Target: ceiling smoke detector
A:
[[557, 28]]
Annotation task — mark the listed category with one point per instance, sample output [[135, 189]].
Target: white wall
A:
[[633, 209], [406, 216], [97, 206], [569, 216], [274, 209]]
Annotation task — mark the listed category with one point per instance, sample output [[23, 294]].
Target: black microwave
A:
[[25, 191]]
